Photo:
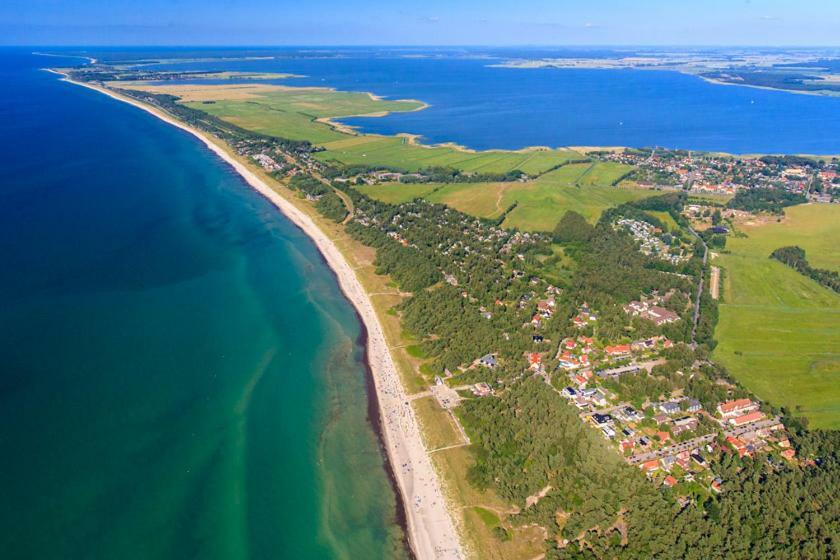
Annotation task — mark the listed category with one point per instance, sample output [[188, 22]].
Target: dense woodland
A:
[[527, 438], [794, 257], [765, 200]]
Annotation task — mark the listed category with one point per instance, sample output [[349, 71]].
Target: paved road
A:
[[701, 440]]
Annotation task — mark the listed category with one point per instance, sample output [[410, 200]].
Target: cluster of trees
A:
[[765, 200], [527, 439], [794, 257], [452, 175]]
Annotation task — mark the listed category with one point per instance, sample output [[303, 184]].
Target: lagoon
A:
[[480, 106]]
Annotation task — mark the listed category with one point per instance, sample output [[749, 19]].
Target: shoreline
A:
[[429, 526]]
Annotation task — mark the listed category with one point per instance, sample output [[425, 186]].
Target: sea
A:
[[479, 105], [181, 376]]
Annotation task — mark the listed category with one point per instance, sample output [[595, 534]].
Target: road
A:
[[701, 440], [696, 318]]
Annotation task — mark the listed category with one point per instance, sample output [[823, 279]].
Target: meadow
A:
[[779, 331], [582, 187], [404, 153]]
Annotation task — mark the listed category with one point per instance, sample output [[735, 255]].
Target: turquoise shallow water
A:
[[180, 377]]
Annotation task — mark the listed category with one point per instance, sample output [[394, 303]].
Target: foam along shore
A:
[[431, 530]]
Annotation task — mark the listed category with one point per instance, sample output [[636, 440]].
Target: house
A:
[[670, 481], [608, 432], [661, 419], [601, 419], [581, 402], [488, 360], [626, 445], [684, 425], [735, 408], [615, 373], [788, 454], [669, 407], [658, 315], [754, 416], [569, 392], [545, 307], [580, 380], [697, 458], [534, 361], [537, 338], [536, 320], [650, 466], [481, 390], [738, 445], [617, 351], [599, 399], [694, 406], [716, 488], [568, 361], [663, 436], [630, 414]]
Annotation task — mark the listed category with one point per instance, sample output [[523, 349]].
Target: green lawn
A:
[[779, 332]]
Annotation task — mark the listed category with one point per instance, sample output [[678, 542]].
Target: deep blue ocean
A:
[[483, 107], [181, 376]]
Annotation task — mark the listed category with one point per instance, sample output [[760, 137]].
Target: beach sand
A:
[[431, 530]]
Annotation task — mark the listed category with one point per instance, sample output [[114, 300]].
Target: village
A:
[[674, 438], [674, 441], [702, 173]]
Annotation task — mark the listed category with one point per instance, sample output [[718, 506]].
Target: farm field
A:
[[779, 331]]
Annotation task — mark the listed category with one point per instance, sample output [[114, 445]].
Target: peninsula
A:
[[542, 325]]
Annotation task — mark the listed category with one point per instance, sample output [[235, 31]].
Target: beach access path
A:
[[431, 530]]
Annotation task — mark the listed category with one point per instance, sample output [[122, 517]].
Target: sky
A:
[[420, 22]]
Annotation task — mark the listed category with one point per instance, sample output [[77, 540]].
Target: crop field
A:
[[779, 331]]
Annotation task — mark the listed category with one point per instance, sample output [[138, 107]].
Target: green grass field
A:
[[293, 114], [396, 193], [398, 151], [540, 203], [779, 332]]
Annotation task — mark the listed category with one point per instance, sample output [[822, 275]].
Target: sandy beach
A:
[[431, 530]]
